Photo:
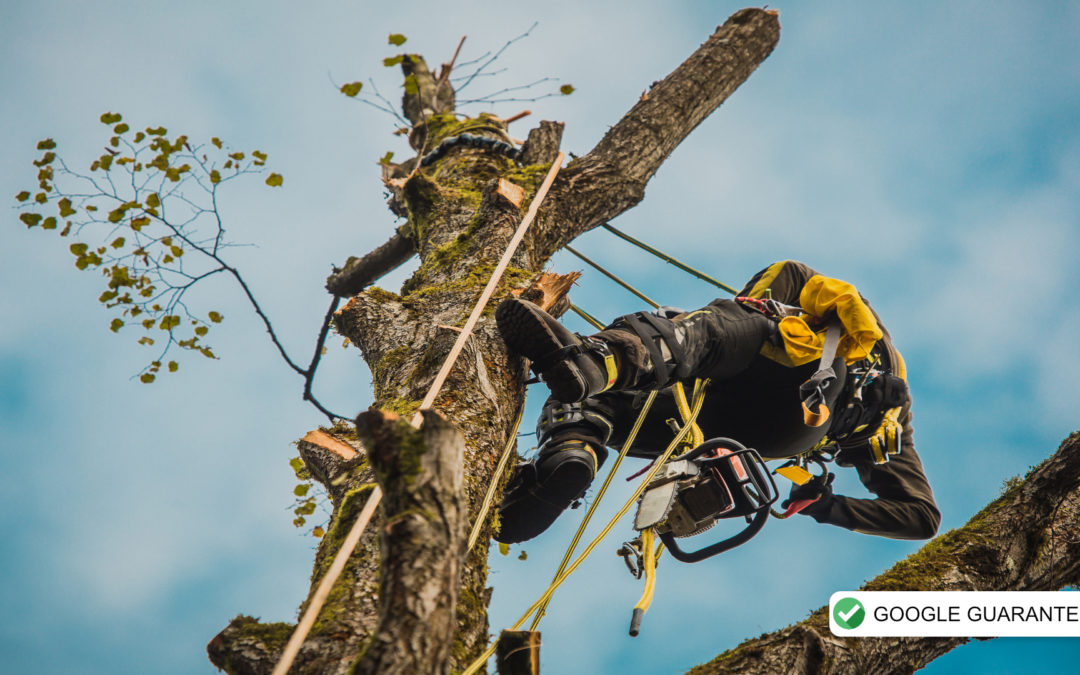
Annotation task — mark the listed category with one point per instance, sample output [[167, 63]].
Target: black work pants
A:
[[749, 398]]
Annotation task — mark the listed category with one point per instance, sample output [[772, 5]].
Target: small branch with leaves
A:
[[146, 216]]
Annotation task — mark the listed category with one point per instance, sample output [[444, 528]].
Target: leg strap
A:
[[658, 336]]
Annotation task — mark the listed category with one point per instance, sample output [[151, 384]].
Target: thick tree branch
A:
[[421, 472], [359, 273], [1026, 540], [612, 176]]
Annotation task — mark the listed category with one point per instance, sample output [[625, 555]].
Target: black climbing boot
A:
[[573, 367], [542, 489]]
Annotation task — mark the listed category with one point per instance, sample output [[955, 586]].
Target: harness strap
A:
[[656, 333], [815, 412]]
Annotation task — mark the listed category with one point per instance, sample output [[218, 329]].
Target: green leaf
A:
[[107, 296], [116, 325], [523, 556], [566, 89], [78, 249], [117, 214], [47, 144], [298, 522], [148, 324], [120, 128], [31, 219], [393, 60], [260, 156], [216, 317], [173, 366], [396, 39], [274, 180], [205, 351], [201, 330], [176, 251], [23, 196], [65, 208], [352, 89], [41, 198], [49, 223], [140, 222], [145, 340], [385, 159], [215, 177], [111, 118], [160, 131], [146, 378], [411, 88], [318, 532], [504, 549], [153, 201], [302, 489], [139, 136]]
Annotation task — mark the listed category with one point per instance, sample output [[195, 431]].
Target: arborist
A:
[[797, 363]]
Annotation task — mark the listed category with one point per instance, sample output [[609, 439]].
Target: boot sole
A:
[[526, 331], [531, 514]]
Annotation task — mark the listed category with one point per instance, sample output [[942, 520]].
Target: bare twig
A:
[[496, 55]]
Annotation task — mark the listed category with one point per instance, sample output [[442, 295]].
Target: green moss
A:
[[392, 359], [529, 178], [471, 611], [405, 407], [381, 295], [351, 504], [442, 126], [273, 636]]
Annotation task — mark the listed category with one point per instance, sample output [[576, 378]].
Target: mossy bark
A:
[[460, 223], [1026, 540]]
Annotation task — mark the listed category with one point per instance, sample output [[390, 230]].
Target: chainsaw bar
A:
[[656, 502]]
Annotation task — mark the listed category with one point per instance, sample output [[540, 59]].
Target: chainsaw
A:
[[719, 479]]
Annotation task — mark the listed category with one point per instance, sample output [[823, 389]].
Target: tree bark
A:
[[460, 220], [1026, 540], [421, 542]]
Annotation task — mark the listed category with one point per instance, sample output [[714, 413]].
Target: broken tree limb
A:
[[1026, 540], [359, 273], [611, 178]]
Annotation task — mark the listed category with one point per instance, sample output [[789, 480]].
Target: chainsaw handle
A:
[[720, 546]]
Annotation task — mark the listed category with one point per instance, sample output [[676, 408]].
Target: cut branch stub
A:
[[542, 145], [424, 96], [421, 472]]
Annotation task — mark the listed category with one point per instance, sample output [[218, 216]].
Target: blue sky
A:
[[927, 152]]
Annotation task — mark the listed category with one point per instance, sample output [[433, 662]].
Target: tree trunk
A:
[[460, 220], [1026, 540]]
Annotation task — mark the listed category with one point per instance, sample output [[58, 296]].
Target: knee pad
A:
[[558, 418]]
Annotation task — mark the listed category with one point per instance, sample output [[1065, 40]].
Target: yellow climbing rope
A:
[[495, 479], [599, 496], [698, 399]]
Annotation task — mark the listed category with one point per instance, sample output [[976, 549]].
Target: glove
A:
[[819, 488]]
